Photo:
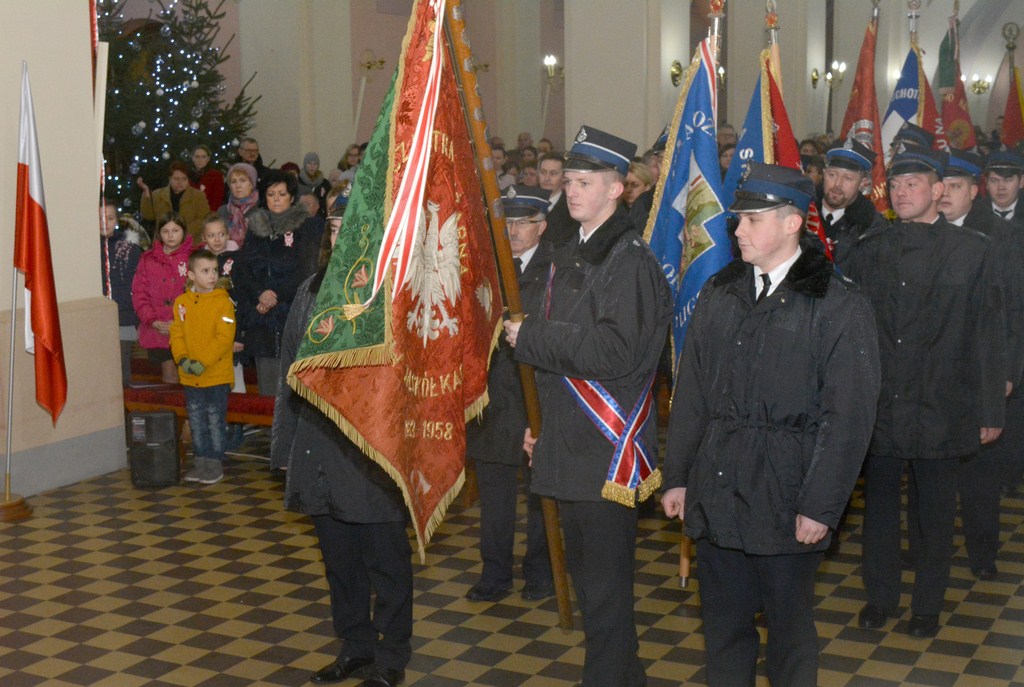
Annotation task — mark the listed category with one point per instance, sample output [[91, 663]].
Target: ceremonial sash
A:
[[632, 475]]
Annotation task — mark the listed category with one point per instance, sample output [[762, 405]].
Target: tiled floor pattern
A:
[[108, 585]]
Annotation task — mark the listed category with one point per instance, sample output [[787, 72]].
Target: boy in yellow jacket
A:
[[202, 340]]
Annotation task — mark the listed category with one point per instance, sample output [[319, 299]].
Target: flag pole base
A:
[[14, 509]]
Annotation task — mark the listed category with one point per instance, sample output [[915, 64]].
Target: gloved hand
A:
[[193, 367]]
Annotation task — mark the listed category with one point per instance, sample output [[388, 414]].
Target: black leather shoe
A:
[[384, 677], [987, 572], [484, 591], [536, 592], [872, 617], [923, 626], [339, 670]]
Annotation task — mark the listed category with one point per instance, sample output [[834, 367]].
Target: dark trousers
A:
[[207, 408], [363, 559], [499, 489], [934, 482], [979, 507], [734, 586], [600, 551]]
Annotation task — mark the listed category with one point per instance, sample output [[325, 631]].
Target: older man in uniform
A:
[[496, 443], [773, 411], [846, 213], [596, 344], [942, 341]]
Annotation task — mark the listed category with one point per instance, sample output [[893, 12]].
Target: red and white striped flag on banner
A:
[[32, 257]]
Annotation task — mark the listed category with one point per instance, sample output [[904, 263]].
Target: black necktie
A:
[[828, 219], [1005, 214], [764, 289], [518, 262]]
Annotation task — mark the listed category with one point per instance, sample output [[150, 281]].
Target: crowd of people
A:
[[893, 350]]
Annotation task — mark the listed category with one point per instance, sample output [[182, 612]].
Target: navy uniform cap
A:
[[912, 133], [851, 154], [1005, 162], [915, 159], [525, 201], [595, 150], [662, 141], [963, 163], [766, 187]]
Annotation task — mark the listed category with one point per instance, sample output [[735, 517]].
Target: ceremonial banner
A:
[[912, 101], [751, 144], [861, 120], [956, 116], [686, 228], [396, 351], [32, 257], [1013, 114]]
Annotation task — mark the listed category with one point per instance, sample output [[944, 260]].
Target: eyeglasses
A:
[[521, 223]]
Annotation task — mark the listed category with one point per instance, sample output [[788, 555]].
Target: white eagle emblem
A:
[[434, 276]]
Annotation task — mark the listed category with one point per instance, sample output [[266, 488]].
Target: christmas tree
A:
[[165, 93]]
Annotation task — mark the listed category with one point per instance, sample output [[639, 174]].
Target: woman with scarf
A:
[[242, 203], [280, 251]]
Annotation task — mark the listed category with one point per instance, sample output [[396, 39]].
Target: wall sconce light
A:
[[833, 77], [554, 71], [721, 75], [980, 86], [675, 72], [368, 61]]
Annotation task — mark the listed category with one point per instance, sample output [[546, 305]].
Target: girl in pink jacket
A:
[[159, 279]]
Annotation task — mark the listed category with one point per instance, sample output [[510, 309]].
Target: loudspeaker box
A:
[[154, 448]]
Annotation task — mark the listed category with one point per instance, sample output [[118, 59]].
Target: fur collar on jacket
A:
[[600, 243], [809, 275], [266, 224]]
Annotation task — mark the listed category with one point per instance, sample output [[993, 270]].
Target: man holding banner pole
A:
[[595, 345]]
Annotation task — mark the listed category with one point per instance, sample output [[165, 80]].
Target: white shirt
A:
[[957, 222], [776, 275], [552, 199], [1012, 208], [836, 214], [525, 257]]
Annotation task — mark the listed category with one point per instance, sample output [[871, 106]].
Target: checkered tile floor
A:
[[108, 585]]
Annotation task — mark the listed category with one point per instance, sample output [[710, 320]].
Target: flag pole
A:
[[913, 13], [456, 26], [13, 508]]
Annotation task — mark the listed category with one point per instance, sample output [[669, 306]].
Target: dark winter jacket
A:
[[605, 319], [497, 436], [271, 259], [1008, 242], [119, 258], [859, 218], [327, 473], [774, 406], [941, 337]]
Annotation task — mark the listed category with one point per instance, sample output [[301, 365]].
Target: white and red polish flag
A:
[[32, 257]]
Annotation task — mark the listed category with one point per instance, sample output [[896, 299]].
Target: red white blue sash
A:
[[632, 476]]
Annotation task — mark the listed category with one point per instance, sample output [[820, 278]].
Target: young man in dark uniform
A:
[[980, 477], [496, 442], [599, 336], [942, 345], [1004, 179], [773, 410]]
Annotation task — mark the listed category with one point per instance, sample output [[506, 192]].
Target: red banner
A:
[[1013, 117], [406, 401], [861, 120]]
